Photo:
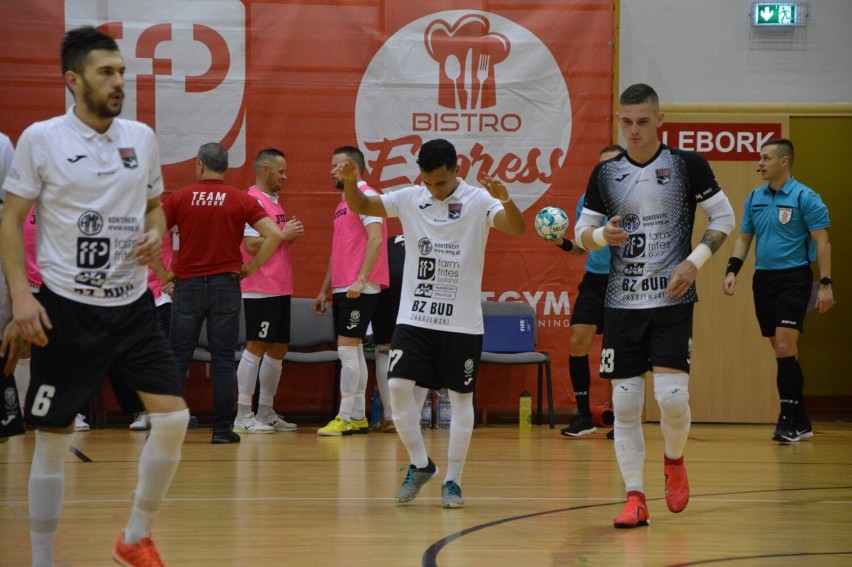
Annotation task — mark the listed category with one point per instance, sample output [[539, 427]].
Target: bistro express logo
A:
[[479, 80]]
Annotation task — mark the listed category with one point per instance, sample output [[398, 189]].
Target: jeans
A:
[[216, 299]]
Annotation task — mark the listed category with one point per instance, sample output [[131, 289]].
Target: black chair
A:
[[312, 339], [520, 310]]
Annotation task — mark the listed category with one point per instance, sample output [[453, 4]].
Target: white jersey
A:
[[7, 152], [90, 192], [444, 256]]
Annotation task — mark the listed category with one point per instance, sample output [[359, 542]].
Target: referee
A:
[[791, 224]]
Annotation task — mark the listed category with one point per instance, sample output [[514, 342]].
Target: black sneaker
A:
[[581, 425], [611, 434], [790, 430], [224, 437]]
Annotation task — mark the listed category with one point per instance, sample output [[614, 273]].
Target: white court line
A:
[[382, 498]]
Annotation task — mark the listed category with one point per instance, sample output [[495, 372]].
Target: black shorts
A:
[[352, 316], [589, 305], [384, 318], [268, 319], [636, 340], [435, 359], [781, 298], [90, 343]]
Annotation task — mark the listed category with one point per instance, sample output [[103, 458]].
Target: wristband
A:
[[598, 236], [700, 255], [567, 245], [734, 265], [506, 201]]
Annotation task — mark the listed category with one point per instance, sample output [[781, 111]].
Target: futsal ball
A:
[[551, 223]]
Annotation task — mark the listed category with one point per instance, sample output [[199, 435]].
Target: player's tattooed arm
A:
[[713, 239]]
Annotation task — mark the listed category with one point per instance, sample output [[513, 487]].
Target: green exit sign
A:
[[776, 14]]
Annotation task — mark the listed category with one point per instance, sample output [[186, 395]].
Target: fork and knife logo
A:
[[467, 52]]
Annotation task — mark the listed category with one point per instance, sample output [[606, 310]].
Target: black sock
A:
[[791, 383], [581, 380]]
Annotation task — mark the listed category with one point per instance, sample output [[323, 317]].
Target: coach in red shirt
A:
[[210, 216]]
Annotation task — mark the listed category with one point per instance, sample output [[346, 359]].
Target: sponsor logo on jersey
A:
[[75, 159], [663, 176], [622, 177], [424, 245], [631, 222], [634, 270], [468, 76], [454, 210], [424, 205], [426, 269], [423, 290], [90, 223], [635, 247], [785, 214], [93, 253], [92, 279]]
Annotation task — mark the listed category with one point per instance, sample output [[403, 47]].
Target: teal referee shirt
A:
[[782, 221]]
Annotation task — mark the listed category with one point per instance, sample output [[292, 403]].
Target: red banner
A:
[[524, 92]]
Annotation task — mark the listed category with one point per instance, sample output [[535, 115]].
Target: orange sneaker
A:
[[635, 512], [677, 485], [142, 554]]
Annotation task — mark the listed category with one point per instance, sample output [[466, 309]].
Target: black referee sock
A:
[[791, 383], [581, 380]]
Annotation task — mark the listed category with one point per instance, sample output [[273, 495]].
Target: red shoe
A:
[[142, 554], [677, 485], [635, 512]]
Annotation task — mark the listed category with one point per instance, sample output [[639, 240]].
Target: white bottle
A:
[[444, 409], [426, 412]]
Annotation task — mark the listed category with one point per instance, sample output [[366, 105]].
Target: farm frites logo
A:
[[186, 65], [479, 80]]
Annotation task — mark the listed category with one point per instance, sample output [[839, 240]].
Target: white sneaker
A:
[[80, 423], [278, 422], [250, 424], [141, 422]]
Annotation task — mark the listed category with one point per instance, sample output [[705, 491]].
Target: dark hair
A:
[[435, 153], [214, 156], [783, 147], [354, 154], [267, 154], [79, 42], [612, 148], [639, 93]]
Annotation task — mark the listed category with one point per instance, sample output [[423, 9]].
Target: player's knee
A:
[[673, 400], [628, 397]]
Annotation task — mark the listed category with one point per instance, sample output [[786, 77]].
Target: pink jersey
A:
[[274, 277], [33, 273], [154, 282], [349, 246]]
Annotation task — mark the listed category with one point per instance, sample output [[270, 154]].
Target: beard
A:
[[100, 106]]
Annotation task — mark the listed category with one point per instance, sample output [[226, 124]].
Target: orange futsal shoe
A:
[[635, 512], [142, 554], [677, 485]]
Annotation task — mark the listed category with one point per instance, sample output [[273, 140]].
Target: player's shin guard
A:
[[628, 398]]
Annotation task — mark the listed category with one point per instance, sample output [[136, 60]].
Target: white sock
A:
[[157, 465], [672, 394], [22, 380], [270, 376], [406, 418], [382, 362], [45, 492], [461, 430], [628, 399], [359, 403], [246, 382], [349, 370]]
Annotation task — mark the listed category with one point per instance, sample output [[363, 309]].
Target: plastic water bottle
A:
[[376, 409], [444, 409], [426, 412], [525, 411]]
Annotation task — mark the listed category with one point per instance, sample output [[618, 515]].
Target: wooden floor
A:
[[532, 499]]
